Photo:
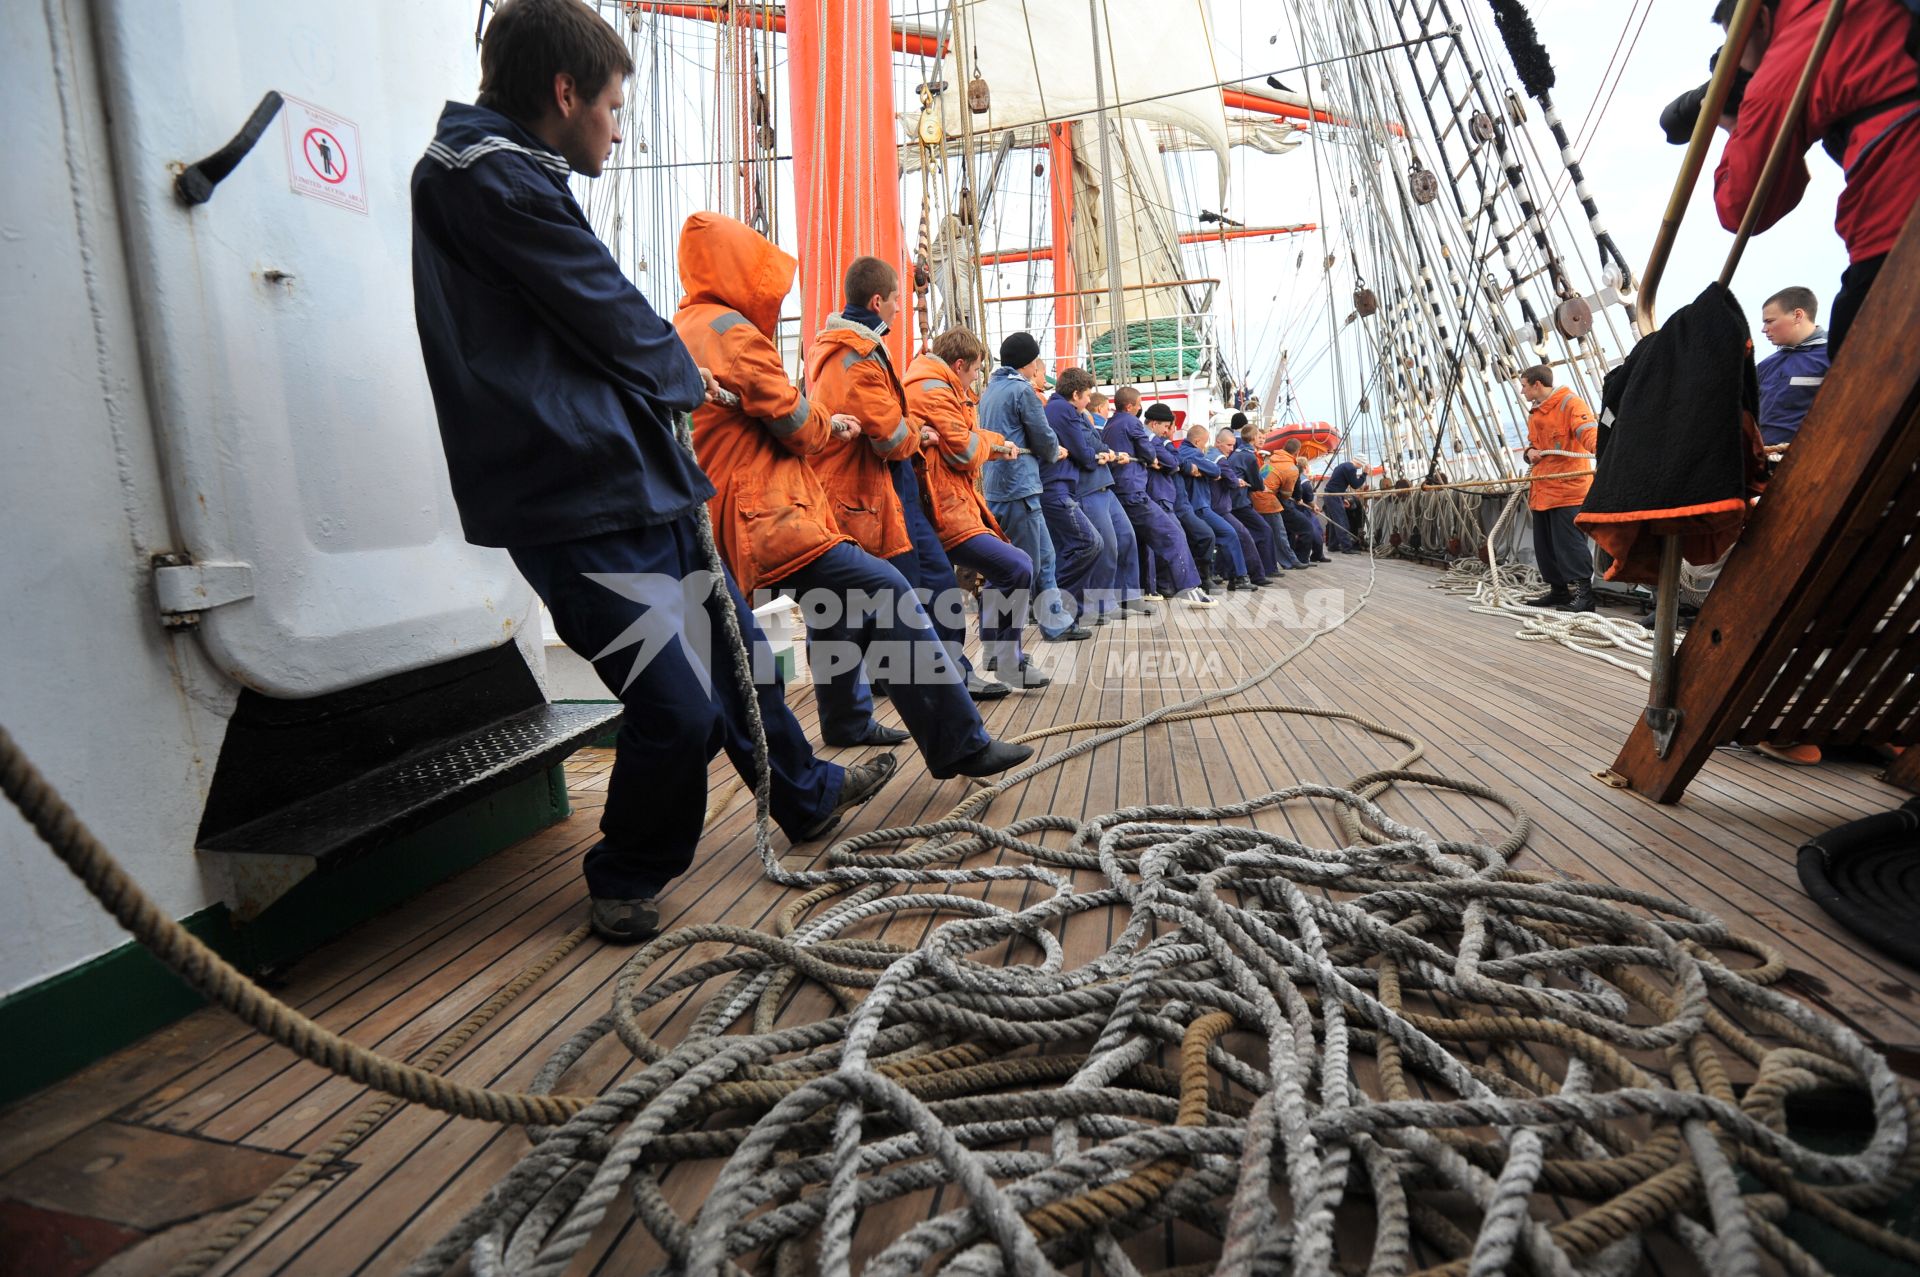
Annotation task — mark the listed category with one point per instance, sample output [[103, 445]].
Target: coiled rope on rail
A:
[[1319, 1004]]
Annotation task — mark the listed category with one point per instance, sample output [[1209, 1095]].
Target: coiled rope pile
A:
[[1498, 589], [1384, 1053]]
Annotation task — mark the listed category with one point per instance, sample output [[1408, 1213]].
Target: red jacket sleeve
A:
[[1762, 109]]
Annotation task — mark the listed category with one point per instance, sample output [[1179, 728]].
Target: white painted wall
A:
[[123, 718], [294, 427]]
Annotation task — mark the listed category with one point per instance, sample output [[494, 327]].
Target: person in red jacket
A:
[[954, 449], [1865, 112], [771, 513]]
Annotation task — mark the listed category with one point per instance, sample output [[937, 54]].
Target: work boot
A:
[[1580, 601], [1555, 595], [982, 690], [874, 735], [861, 782], [624, 921], [993, 757], [1025, 677]]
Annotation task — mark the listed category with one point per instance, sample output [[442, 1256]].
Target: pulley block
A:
[[1424, 185], [1574, 318]]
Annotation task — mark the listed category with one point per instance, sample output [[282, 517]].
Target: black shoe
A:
[[879, 689], [1237, 584], [992, 758], [874, 735], [624, 921], [1554, 596], [1024, 678], [861, 782], [1072, 634], [1582, 600], [1262, 582], [981, 690], [1139, 606]]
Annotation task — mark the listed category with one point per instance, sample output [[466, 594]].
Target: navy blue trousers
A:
[[1229, 540], [1116, 530], [1282, 543], [1338, 533], [1249, 518], [1304, 529], [928, 568], [860, 611], [1159, 537], [1200, 537], [1080, 562], [682, 697], [1005, 598]]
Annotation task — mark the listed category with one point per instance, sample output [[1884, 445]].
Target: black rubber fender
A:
[[1866, 873]]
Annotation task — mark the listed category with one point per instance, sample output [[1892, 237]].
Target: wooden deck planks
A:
[[1529, 720]]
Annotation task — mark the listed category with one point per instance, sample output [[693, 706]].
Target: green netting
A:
[[1157, 350]]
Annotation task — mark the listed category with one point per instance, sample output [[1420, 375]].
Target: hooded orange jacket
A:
[[1561, 422], [771, 516], [953, 461], [849, 371]]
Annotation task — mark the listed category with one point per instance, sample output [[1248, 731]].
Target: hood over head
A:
[[725, 262]]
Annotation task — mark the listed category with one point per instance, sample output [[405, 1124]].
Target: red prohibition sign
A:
[[332, 165]]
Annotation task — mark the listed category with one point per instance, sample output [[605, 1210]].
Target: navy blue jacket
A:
[[555, 383], [1009, 407], [1161, 484], [1345, 478], [1125, 432], [1244, 463], [1076, 473], [1789, 379]]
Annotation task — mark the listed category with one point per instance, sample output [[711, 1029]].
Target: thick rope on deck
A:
[[1498, 589], [1401, 1030]]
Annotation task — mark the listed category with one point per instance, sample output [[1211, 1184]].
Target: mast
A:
[[1066, 307], [845, 164], [1116, 303]]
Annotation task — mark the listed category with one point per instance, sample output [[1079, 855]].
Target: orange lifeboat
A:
[[1317, 439]]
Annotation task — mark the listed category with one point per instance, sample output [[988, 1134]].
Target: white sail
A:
[[1037, 59]]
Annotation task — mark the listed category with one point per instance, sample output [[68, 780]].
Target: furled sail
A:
[[1038, 59]]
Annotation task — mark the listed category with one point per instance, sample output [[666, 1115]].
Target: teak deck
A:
[[140, 1156]]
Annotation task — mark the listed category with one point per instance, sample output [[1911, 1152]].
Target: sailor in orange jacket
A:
[[1559, 425], [771, 514], [953, 452], [875, 487]]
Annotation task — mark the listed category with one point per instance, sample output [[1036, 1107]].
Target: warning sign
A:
[[324, 159]]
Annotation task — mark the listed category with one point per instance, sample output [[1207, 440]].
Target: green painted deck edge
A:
[[94, 1009]]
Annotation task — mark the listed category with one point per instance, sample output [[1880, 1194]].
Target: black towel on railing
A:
[[1679, 451]]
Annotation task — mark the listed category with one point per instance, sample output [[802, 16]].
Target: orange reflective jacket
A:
[[771, 516], [952, 463], [1563, 423], [849, 371], [1263, 497]]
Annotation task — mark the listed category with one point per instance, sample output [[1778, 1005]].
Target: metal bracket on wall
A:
[[195, 183], [184, 589]]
